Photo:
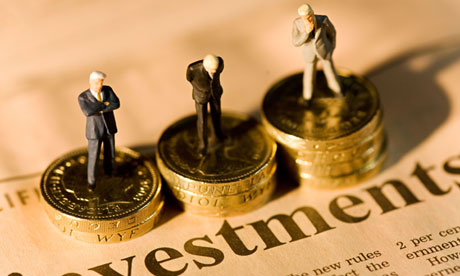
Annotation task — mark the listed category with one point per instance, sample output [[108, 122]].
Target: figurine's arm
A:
[[299, 36], [330, 30], [112, 100], [221, 65], [189, 74], [90, 108]]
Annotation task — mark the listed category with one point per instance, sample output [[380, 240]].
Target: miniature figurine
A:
[[204, 75], [317, 35], [233, 172], [98, 103], [328, 123]]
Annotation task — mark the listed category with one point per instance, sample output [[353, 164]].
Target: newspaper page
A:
[[404, 221]]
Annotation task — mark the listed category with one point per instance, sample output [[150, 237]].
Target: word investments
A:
[[392, 195]]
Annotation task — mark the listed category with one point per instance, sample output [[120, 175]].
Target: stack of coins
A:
[[330, 141], [124, 205], [237, 174]]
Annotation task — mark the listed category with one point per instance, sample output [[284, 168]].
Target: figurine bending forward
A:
[[204, 75], [98, 103], [317, 35]]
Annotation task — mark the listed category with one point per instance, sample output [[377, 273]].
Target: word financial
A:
[[386, 196]]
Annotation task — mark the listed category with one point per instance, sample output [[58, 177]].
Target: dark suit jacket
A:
[[97, 122], [203, 87]]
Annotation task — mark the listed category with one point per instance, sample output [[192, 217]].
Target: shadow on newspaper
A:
[[414, 101]]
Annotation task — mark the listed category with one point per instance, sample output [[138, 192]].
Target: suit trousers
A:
[[202, 118], [94, 149], [309, 77]]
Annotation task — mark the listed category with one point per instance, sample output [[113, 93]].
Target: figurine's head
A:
[[308, 15], [211, 63], [96, 79]]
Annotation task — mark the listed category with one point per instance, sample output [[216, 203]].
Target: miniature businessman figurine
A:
[[317, 36], [204, 75], [98, 103]]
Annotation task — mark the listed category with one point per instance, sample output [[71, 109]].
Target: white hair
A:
[[210, 62], [305, 9], [97, 75]]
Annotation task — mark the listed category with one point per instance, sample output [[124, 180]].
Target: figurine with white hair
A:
[[98, 103], [204, 75], [316, 35]]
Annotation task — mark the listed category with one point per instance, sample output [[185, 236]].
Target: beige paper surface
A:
[[410, 50]]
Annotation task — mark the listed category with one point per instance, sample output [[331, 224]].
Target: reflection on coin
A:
[[120, 201]]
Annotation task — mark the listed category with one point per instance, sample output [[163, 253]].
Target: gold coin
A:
[[342, 167], [103, 226], [338, 156], [176, 181], [329, 121], [116, 236], [119, 201], [227, 205], [296, 143], [328, 118], [179, 182], [338, 169], [333, 141], [234, 165], [365, 172], [245, 151]]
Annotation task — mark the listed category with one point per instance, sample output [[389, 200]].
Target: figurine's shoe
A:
[[337, 91], [304, 102], [91, 187], [219, 135], [111, 171], [202, 152], [339, 95]]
